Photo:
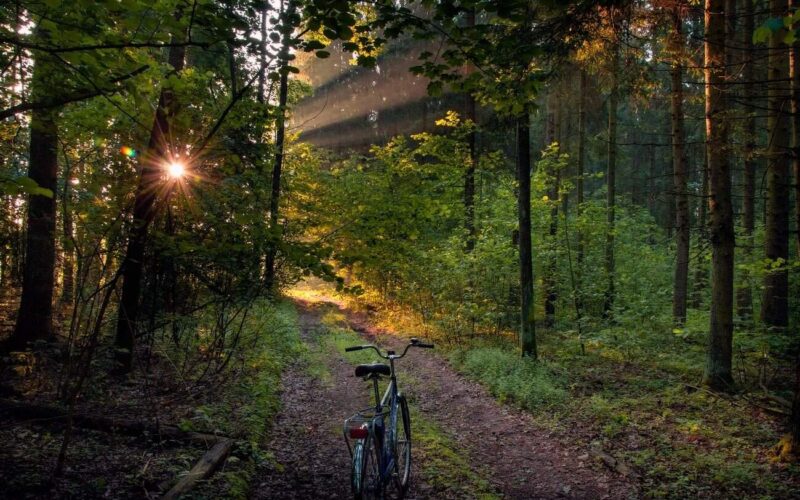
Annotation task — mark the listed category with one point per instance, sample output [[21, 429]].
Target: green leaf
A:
[[761, 34], [323, 54]]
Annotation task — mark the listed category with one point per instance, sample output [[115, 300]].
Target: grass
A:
[[510, 378]]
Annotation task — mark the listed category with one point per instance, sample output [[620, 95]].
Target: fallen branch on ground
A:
[[204, 467], [51, 414]]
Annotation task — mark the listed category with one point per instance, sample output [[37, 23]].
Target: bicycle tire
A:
[[365, 479], [402, 450]]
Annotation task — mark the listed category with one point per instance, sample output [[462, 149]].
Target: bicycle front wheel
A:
[[366, 477], [402, 447]]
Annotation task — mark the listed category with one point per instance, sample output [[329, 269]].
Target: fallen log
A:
[[52, 414], [204, 467]]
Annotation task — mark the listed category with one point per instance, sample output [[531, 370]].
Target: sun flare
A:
[[176, 170]]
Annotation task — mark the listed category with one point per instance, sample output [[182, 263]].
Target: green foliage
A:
[[22, 185], [249, 406], [521, 381]]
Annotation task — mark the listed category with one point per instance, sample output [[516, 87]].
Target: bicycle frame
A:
[[388, 401], [375, 417]]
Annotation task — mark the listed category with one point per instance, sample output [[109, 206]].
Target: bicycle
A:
[[376, 466]]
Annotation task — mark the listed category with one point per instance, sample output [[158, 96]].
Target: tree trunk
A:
[[144, 211], [469, 174], [262, 57], [718, 361], [35, 317], [680, 174], [795, 424], [277, 167], [700, 274], [744, 297], [549, 281], [774, 303], [580, 168], [527, 326], [611, 176], [68, 284]]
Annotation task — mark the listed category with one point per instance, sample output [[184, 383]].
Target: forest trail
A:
[[501, 445]]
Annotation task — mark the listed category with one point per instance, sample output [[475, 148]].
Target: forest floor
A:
[[624, 419], [465, 443]]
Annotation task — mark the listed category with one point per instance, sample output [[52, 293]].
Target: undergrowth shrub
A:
[[531, 385]]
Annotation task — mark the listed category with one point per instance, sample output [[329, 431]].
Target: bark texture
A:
[[718, 359], [775, 299], [680, 173], [611, 183], [527, 328], [35, 316], [744, 296]]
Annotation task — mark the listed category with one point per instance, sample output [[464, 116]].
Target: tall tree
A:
[[718, 356], [581, 166], [469, 172], [527, 335], [35, 316], [775, 299], [680, 169], [744, 298], [68, 244], [611, 185], [549, 281], [144, 211], [287, 28]]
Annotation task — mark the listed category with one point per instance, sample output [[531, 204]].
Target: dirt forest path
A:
[[502, 445]]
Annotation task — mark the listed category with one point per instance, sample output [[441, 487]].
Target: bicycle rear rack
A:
[[359, 426]]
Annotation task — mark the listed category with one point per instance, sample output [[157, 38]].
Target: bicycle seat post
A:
[[377, 394]]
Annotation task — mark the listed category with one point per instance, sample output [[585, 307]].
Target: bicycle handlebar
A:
[[413, 343]]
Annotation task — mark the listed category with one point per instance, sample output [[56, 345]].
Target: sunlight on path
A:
[[315, 290]]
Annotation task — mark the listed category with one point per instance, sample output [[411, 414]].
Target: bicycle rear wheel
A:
[[366, 475], [402, 448]]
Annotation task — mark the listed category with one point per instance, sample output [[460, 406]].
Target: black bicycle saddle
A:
[[375, 368]]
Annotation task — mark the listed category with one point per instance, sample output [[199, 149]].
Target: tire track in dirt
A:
[[502, 444], [309, 458], [523, 460]]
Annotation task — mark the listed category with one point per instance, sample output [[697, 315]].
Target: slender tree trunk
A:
[[35, 317], [581, 165], [262, 57], [277, 167], [549, 281], [700, 273], [795, 423], [680, 174], [68, 285], [744, 298], [611, 180], [469, 174], [144, 211], [718, 361], [469, 180], [527, 326], [774, 303]]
